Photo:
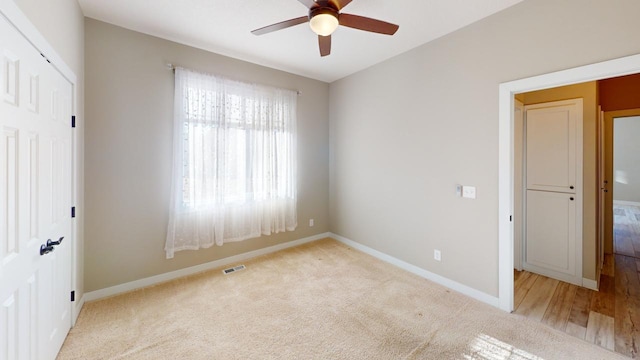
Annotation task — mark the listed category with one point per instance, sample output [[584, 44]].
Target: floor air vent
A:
[[233, 269]]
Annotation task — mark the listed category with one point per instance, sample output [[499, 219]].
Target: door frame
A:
[[519, 186], [608, 155], [601, 178], [15, 16], [506, 91]]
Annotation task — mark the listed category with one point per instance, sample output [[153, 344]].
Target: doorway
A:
[[617, 67], [606, 317], [624, 188]]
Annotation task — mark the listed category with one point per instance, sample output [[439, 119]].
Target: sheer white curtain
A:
[[234, 162]]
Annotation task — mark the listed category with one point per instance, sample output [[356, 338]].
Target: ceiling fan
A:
[[325, 16]]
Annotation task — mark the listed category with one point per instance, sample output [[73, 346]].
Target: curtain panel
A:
[[234, 162]]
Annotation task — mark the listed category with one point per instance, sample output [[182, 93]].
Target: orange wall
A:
[[620, 93]]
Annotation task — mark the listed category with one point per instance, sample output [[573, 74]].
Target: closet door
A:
[[35, 201]]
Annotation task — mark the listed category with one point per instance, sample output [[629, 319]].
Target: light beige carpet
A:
[[322, 300]]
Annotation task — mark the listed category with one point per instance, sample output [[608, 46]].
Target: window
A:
[[234, 168]]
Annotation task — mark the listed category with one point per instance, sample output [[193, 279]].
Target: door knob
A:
[[571, 187], [54, 243], [571, 198], [44, 249]]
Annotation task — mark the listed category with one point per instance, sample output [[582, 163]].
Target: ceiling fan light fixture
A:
[[324, 17], [324, 23]]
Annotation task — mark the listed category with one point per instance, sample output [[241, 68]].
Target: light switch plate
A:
[[469, 192]]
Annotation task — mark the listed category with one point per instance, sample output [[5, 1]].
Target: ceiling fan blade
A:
[[280, 25], [368, 24], [308, 3], [325, 45], [339, 4]]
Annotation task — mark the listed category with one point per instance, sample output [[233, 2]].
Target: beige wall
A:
[[61, 22], [129, 100], [586, 91], [626, 159], [406, 131]]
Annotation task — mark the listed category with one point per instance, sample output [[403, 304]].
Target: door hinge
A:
[[73, 211], [73, 295], [73, 121], [510, 218]]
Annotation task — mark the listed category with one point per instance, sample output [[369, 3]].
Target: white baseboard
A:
[[590, 284], [153, 280], [453, 285], [622, 202]]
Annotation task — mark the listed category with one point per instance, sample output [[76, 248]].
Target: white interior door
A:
[[35, 201], [553, 229]]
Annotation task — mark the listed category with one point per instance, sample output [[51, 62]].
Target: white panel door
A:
[[35, 201], [553, 157]]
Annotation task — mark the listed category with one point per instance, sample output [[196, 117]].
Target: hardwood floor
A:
[[626, 230], [610, 317]]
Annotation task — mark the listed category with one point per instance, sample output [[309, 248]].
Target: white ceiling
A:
[[223, 27]]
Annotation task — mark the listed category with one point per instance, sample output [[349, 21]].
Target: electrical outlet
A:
[[311, 223], [437, 255]]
